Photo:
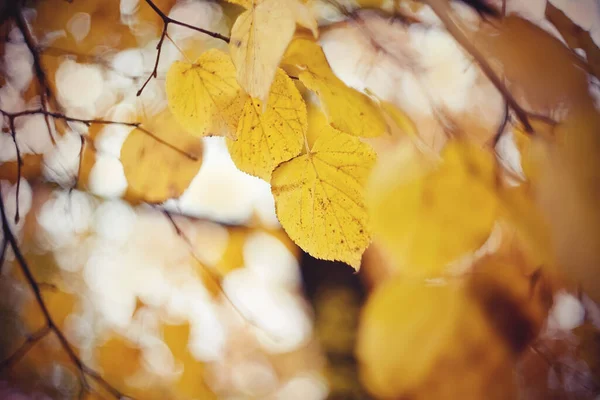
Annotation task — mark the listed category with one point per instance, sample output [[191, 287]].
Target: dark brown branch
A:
[[502, 126], [13, 134], [88, 122], [45, 91], [169, 145], [51, 325], [24, 348], [155, 69], [3, 252], [166, 21], [445, 15]]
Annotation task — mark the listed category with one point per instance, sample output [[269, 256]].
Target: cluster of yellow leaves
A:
[[316, 164]]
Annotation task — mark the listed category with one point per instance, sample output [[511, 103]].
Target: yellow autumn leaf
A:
[[403, 328], [316, 121], [347, 109], [161, 160], [259, 38], [450, 341], [319, 197], [205, 97], [266, 139], [429, 213], [565, 186]]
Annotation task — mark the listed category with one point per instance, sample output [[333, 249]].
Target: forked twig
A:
[[166, 21]]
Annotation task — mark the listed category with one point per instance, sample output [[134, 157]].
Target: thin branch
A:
[[24, 348], [88, 122], [169, 145], [211, 274], [502, 126], [445, 15], [13, 134], [46, 92], [51, 325], [166, 21], [3, 252], [155, 69]]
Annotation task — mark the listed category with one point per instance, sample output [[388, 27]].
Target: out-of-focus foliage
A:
[[436, 131], [441, 209]]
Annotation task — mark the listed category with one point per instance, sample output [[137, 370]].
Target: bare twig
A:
[[45, 91], [88, 122], [445, 15], [211, 274], [51, 326], [13, 134], [3, 252], [166, 21], [24, 348], [502, 126]]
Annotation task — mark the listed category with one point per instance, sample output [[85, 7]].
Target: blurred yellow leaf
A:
[[430, 342], [452, 340], [346, 109], [427, 213], [403, 329], [160, 162], [319, 197], [266, 139], [205, 97], [566, 191], [259, 38]]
